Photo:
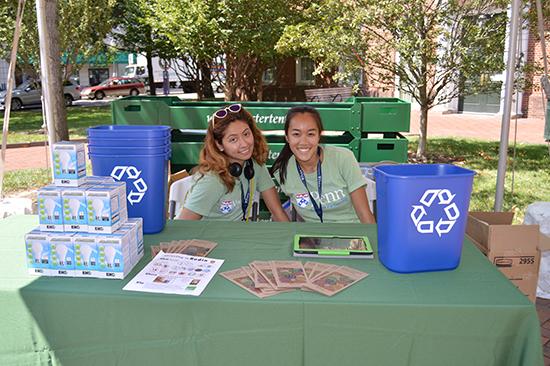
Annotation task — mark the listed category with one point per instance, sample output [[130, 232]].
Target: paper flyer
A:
[[173, 273]]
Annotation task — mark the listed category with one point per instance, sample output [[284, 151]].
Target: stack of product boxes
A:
[[84, 226]]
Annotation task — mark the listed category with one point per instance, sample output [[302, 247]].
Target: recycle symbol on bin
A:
[[132, 174], [435, 197]]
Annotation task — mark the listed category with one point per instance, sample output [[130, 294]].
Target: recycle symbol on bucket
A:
[[444, 224], [132, 174]]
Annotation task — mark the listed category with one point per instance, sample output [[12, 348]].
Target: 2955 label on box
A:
[[511, 261]]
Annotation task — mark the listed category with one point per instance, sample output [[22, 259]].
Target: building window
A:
[[98, 75], [304, 71], [268, 76]]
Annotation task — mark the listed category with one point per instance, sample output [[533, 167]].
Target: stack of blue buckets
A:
[[139, 156]]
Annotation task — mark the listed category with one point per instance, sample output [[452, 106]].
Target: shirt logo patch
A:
[[226, 206], [302, 199]]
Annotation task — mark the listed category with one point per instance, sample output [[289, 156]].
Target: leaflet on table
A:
[[172, 273]]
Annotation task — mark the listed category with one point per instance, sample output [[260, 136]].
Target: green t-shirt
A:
[[340, 176], [209, 198]]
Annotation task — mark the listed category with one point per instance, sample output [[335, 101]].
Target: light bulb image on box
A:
[[86, 251], [65, 160], [97, 206], [61, 251], [110, 254], [50, 209], [37, 252], [74, 206]]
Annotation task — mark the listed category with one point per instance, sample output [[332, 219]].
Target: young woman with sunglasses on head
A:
[[231, 170], [324, 183]]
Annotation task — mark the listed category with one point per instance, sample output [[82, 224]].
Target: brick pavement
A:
[[543, 310], [478, 126], [27, 157]]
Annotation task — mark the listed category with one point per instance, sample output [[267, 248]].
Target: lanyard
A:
[[317, 207], [245, 199]]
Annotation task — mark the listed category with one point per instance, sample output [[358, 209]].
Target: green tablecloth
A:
[[469, 316]]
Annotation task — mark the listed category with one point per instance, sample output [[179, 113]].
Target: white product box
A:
[[95, 179], [86, 255], [50, 208], [115, 260], [121, 187], [75, 209], [38, 252], [130, 231], [136, 226], [62, 256], [69, 163], [106, 207]]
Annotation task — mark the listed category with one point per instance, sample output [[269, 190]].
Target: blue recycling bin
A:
[[139, 156], [422, 212], [126, 142], [127, 150], [129, 132], [146, 178]]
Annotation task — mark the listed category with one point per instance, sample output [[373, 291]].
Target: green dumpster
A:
[[347, 124]]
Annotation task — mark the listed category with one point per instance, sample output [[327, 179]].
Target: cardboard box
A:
[[514, 249]]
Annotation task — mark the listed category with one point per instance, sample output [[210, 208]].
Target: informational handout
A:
[[173, 273]]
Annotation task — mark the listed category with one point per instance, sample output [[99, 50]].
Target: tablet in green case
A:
[[332, 246]]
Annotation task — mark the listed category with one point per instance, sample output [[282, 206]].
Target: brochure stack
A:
[[84, 226]]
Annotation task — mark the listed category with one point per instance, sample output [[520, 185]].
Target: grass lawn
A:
[[530, 178], [25, 125]]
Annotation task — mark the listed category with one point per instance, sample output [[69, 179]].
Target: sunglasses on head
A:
[[223, 112]]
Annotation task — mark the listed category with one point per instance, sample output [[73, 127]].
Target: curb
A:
[[35, 143]]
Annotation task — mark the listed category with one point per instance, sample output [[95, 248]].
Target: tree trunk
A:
[[423, 138], [206, 79], [53, 85], [243, 77], [149, 56], [424, 108]]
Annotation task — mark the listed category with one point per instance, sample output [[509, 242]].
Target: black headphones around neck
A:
[[236, 169]]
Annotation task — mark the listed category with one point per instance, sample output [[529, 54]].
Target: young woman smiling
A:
[[324, 183], [231, 170]]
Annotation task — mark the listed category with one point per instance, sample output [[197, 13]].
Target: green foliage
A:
[[439, 43], [432, 47], [245, 31], [329, 32], [192, 25], [135, 28], [83, 25], [28, 53]]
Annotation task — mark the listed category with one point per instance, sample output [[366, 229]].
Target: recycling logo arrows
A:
[[445, 224], [132, 174]]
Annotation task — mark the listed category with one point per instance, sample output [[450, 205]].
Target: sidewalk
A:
[[27, 158], [476, 126]]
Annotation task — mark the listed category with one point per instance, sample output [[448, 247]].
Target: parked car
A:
[[29, 93], [114, 87]]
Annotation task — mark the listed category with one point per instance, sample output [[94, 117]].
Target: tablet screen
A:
[[331, 243]]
